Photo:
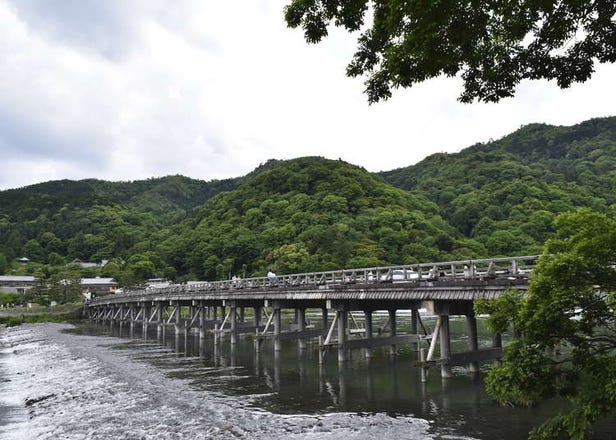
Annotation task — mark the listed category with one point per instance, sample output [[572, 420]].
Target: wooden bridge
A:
[[347, 300]]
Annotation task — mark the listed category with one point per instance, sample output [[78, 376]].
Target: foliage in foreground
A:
[[491, 45], [567, 324]]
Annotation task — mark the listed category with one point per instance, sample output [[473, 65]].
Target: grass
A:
[[65, 313]]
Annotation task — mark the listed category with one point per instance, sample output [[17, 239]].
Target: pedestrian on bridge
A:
[[273, 279]]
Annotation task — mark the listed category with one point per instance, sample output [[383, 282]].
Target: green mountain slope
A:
[[311, 214], [94, 219], [506, 193]]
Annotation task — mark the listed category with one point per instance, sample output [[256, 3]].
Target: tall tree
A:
[[567, 324], [492, 44]]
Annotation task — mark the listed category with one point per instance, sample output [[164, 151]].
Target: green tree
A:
[[567, 325], [289, 258], [65, 287], [492, 45], [34, 251], [39, 293], [4, 264], [10, 298]]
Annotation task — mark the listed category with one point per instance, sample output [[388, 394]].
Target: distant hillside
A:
[[93, 219], [507, 192], [158, 195]]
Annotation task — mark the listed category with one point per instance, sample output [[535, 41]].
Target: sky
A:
[[132, 89]]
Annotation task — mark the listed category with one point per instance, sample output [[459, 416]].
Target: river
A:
[[59, 381]]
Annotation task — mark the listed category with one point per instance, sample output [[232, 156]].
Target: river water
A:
[[59, 381]]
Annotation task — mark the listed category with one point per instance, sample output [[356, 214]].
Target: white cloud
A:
[[128, 90]]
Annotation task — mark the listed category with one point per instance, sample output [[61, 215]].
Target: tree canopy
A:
[[491, 44], [567, 324]]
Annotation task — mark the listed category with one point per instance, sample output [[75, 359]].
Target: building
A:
[[99, 286], [95, 286], [86, 264], [16, 283]]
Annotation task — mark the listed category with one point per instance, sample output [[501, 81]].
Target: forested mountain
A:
[[91, 220], [311, 214], [506, 193], [498, 198]]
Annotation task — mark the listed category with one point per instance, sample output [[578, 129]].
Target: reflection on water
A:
[[292, 381]]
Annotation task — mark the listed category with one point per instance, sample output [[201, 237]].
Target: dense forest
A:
[[497, 198]]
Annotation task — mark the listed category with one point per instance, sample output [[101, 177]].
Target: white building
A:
[[16, 283]]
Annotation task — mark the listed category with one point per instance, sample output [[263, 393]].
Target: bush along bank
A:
[[12, 320]]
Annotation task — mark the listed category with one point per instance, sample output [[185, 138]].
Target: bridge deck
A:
[[469, 290]]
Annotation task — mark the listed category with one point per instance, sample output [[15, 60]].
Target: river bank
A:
[[20, 315]]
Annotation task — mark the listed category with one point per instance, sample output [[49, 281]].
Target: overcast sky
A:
[[132, 89]]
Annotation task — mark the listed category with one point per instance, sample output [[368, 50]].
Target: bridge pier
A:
[[201, 320], [368, 331], [131, 319], [258, 313], [178, 317], [159, 319], [277, 327], [342, 318], [233, 319], [414, 320], [473, 343], [445, 341], [146, 310], [392, 326], [301, 322]]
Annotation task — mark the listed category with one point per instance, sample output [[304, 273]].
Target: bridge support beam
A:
[[159, 319], [201, 320], [277, 311], [233, 323], [342, 318], [445, 340], [301, 322], [414, 321], [392, 326], [178, 318], [368, 328], [258, 313], [473, 343], [146, 310]]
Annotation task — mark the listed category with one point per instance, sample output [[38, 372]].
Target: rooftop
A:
[[17, 278], [98, 280]]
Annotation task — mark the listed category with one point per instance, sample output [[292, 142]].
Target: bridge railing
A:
[[485, 269]]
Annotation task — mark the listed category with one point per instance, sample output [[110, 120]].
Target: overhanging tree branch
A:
[[491, 45]]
